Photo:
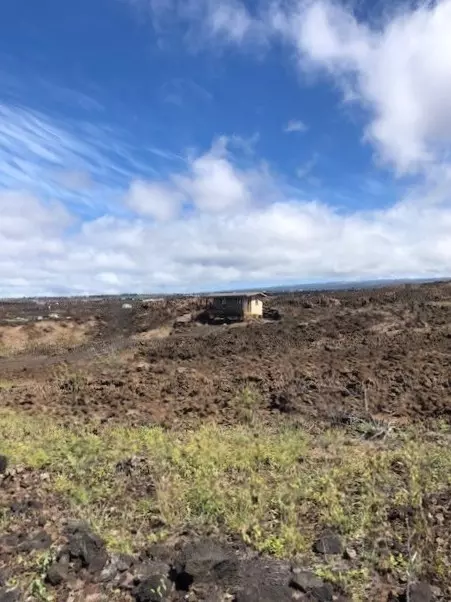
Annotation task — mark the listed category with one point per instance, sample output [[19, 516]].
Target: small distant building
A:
[[236, 306]]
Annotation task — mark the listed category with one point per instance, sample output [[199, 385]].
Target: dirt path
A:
[[86, 352], [82, 353]]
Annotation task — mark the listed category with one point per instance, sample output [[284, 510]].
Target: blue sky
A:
[[160, 145]]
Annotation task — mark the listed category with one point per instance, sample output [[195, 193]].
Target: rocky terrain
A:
[[148, 456], [384, 352]]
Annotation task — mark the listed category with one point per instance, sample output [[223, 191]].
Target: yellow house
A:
[[237, 305]]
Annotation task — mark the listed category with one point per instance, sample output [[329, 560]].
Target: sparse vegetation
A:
[[276, 488]]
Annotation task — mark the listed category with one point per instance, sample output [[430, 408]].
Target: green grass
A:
[[277, 488]]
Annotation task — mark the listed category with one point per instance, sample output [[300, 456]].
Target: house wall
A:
[[237, 307], [229, 306], [256, 307]]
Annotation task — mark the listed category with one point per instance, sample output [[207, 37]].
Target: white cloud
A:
[[399, 72], [45, 158], [23, 216], [223, 220], [211, 183], [290, 239], [214, 184], [51, 158], [157, 200], [229, 21], [75, 180], [31, 233], [295, 125]]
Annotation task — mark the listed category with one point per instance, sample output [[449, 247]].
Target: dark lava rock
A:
[[308, 583], [328, 543], [283, 403], [9, 595], [272, 314], [207, 592], [264, 592], [305, 581], [207, 560], [39, 541], [157, 551], [21, 507], [263, 580], [3, 464], [153, 589], [130, 465], [24, 543], [125, 581], [418, 592], [118, 564], [325, 593], [150, 568], [87, 547], [12, 540], [122, 562], [109, 572], [57, 573]]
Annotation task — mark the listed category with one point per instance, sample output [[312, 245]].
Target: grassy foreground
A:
[[276, 488]]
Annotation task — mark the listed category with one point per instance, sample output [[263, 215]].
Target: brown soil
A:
[[44, 334], [384, 352], [331, 358]]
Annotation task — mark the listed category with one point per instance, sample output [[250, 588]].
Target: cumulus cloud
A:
[[211, 183], [31, 233], [399, 72], [24, 216], [214, 184], [218, 222], [158, 200], [292, 239]]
